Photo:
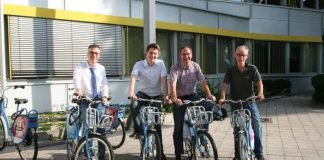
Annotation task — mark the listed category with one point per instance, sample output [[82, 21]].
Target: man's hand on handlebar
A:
[[221, 101]]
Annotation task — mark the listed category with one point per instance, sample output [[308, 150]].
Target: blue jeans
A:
[[102, 109], [257, 128]]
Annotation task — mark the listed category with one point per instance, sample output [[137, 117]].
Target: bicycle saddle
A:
[[20, 101]]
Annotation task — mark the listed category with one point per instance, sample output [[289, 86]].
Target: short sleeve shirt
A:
[[149, 76], [242, 84], [186, 78]]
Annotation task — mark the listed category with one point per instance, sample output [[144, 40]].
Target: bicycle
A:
[[84, 142], [22, 133], [241, 119], [203, 142], [116, 133], [151, 144]]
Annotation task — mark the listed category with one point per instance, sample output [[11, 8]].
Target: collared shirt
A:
[[242, 84], [149, 76], [186, 78], [82, 79]]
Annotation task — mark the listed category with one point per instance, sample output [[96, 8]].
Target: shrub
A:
[[275, 87], [318, 84], [214, 89]]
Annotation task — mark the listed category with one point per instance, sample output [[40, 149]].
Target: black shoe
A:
[[178, 157], [133, 134], [260, 157], [235, 158]]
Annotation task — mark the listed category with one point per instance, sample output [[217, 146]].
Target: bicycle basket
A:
[[92, 117], [240, 118], [152, 115], [32, 119], [106, 121], [197, 115]]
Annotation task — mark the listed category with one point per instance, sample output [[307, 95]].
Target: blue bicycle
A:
[[151, 145], [241, 119], [198, 143], [116, 133], [22, 133], [83, 142]]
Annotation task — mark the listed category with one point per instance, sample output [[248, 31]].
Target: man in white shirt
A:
[[89, 79], [151, 73]]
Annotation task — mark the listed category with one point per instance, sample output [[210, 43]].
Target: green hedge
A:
[[276, 87], [318, 84]]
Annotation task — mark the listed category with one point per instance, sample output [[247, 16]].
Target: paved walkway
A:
[[295, 131]]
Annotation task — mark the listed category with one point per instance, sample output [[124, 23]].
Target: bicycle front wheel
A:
[[151, 149], [205, 147], [116, 136], [2, 135], [95, 147], [243, 146], [188, 150], [70, 147], [28, 148]]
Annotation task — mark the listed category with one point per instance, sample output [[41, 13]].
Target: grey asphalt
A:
[[293, 130]]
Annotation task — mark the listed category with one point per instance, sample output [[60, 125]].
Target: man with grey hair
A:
[[241, 78]]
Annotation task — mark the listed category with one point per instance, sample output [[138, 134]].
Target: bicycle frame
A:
[[31, 118], [195, 118], [241, 119]]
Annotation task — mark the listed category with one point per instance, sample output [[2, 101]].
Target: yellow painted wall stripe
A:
[[97, 18]]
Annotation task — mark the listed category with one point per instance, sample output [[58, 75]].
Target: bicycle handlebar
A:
[[148, 100], [195, 102], [249, 99]]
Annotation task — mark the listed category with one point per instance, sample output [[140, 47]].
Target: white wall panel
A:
[[136, 9], [199, 4], [305, 29], [105, 7], [52, 4], [199, 18], [268, 12], [304, 16], [233, 23], [234, 9], [267, 26], [167, 13]]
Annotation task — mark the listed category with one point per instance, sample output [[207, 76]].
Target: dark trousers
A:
[[178, 118], [136, 107]]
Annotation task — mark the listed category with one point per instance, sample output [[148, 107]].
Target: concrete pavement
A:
[[294, 129]]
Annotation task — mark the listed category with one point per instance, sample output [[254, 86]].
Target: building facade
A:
[[45, 39]]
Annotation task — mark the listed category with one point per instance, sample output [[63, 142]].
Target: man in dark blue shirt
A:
[[241, 78]]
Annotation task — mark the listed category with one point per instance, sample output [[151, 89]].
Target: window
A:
[[163, 38], [311, 57], [239, 42], [277, 57], [225, 54], [260, 55], [296, 53], [135, 49], [309, 4], [208, 56], [42, 48], [187, 39]]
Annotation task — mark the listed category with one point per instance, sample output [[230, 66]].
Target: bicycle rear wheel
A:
[[2, 135], [205, 148], [98, 148], [152, 149], [243, 147], [28, 148], [116, 136]]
